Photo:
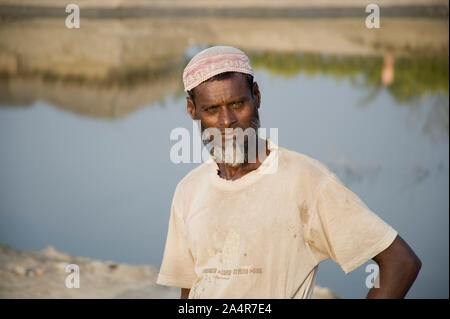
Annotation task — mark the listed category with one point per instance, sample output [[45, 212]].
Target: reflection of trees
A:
[[354, 172], [437, 118], [415, 77]]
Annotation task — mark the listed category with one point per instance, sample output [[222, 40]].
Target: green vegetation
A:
[[414, 76]]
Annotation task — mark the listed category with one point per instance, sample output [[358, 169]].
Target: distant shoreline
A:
[[395, 11]]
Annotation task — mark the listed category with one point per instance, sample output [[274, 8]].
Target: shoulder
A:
[[304, 165], [193, 179]]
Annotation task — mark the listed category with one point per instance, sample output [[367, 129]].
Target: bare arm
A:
[[399, 267], [184, 293]]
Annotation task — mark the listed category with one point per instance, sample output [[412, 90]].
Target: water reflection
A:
[[111, 67], [415, 76], [409, 81], [352, 172], [124, 91]]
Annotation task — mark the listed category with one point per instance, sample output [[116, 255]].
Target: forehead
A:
[[222, 91]]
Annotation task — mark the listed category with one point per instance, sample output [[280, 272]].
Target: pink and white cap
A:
[[213, 61]]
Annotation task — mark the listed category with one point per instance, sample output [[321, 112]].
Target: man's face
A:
[[227, 103]]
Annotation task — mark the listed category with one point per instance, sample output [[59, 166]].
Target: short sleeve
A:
[[177, 267], [343, 228]]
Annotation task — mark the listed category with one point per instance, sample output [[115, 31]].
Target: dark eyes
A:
[[234, 105], [211, 109]]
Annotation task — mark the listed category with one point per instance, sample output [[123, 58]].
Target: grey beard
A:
[[234, 153]]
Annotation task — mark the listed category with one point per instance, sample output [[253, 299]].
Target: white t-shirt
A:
[[264, 234]]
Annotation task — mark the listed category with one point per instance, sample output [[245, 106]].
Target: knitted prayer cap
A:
[[213, 61]]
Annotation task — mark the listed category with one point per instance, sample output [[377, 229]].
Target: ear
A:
[[191, 108], [257, 95]]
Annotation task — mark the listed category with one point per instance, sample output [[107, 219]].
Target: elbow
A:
[[413, 264], [417, 265]]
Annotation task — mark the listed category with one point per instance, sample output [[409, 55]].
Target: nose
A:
[[226, 117]]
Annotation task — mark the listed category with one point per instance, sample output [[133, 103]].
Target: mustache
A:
[[254, 123], [240, 153]]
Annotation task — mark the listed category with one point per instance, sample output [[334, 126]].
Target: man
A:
[[245, 227]]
